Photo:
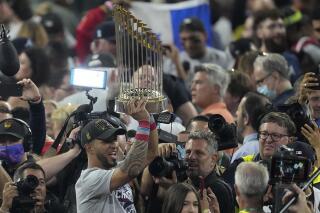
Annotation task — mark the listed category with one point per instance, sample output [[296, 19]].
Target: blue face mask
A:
[[12, 154], [266, 91]]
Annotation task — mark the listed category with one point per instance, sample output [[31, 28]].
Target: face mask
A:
[[12, 154], [266, 91]]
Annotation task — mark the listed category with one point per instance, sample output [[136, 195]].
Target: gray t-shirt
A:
[[93, 193]]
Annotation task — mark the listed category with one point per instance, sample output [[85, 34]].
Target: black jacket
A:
[[221, 189]]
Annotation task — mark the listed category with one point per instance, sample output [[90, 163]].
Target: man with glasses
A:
[[272, 76], [275, 129]]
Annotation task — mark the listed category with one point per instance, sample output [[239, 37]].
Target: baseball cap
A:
[[12, 127], [106, 30], [52, 23], [192, 24], [99, 129], [303, 150]]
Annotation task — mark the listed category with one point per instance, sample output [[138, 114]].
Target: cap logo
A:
[[7, 124]]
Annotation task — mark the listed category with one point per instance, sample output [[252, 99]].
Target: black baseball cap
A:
[[13, 127], [106, 30], [192, 24], [99, 129], [52, 23]]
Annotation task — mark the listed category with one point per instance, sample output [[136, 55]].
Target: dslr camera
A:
[[23, 202], [226, 133], [163, 167]]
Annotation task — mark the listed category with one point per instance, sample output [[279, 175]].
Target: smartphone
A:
[[89, 78], [10, 89]]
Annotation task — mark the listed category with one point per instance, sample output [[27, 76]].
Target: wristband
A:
[[36, 100], [143, 131], [153, 124]]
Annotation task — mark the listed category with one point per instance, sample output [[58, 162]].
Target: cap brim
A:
[[11, 133], [110, 133]]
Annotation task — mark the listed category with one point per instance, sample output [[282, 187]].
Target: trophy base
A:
[[153, 105]]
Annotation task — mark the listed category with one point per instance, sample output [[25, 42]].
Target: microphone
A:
[[9, 61]]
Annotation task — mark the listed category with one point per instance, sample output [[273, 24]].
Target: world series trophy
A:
[[139, 61]]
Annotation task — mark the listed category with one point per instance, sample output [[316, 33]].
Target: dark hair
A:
[[29, 165], [239, 84], [175, 196], [255, 106], [281, 119], [262, 15], [202, 118], [39, 64], [192, 24]]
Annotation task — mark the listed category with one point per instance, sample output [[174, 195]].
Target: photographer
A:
[[102, 177], [28, 193], [275, 129], [201, 156], [17, 138]]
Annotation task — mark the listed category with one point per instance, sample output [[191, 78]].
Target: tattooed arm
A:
[[135, 161]]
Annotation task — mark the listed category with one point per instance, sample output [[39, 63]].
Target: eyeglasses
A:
[[274, 136], [263, 79]]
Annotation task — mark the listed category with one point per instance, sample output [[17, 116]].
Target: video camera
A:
[[163, 167], [83, 115], [23, 202], [287, 167], [226, 133]]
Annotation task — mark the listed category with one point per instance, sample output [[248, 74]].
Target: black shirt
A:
[[221, 189]]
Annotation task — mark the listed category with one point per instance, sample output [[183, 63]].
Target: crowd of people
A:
[[244, 113]]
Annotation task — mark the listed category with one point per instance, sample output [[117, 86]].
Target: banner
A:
[[165, 19]]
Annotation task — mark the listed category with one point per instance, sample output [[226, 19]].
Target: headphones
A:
[[27, 138]]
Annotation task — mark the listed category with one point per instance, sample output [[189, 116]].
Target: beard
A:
[[276, 45], [106, 163]]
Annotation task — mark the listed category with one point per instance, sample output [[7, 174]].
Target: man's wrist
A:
[[35, 100]]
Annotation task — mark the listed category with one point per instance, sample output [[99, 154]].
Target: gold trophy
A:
[[140, 63]]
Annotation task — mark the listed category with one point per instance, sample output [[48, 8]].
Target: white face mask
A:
[[266, 91]]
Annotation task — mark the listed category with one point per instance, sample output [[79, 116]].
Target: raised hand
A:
[[137, 109], [30, 92]]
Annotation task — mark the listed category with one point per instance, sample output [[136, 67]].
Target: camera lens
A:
[[29, 184], [160, 167]]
